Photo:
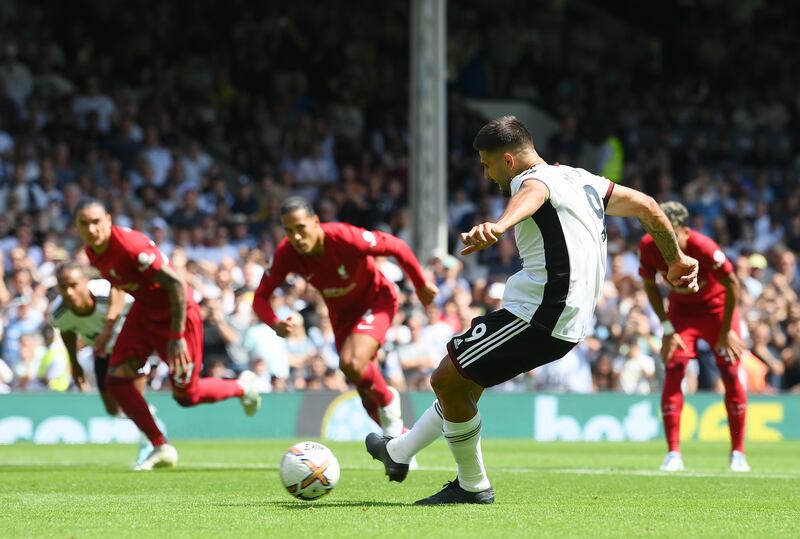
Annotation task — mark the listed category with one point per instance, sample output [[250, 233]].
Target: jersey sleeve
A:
[[647, 269], [603, 186], [143, 253], [100, 288], [517, 182], [274, 274], [377, 243]]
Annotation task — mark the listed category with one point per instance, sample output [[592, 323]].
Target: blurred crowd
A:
[[195, 135]]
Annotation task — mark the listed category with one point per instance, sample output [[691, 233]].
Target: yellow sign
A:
[[713, 423]]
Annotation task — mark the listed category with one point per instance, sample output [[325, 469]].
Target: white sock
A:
[[464, 440], [424, 432]]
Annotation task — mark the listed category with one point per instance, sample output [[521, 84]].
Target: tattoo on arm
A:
[[168, 278], [660, 229]]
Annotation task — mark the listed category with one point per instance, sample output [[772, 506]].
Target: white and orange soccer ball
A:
[[309, 470]]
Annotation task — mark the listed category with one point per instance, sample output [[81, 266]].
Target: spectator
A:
[[636, 369], [92, 101], [417, 359], [263, 378], [22, 319], [726, 150]]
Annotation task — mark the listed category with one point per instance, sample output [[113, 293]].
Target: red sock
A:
[[373, 383], [672, 404], [203, 390], [369, 405], [135, 407], [735, 403]]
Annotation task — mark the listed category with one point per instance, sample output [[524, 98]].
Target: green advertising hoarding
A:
[[79, 418]]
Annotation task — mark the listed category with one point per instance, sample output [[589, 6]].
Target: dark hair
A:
[[69, 266], [505, 132], [296, 203], [87, 203]]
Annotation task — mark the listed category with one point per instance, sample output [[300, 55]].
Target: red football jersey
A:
[[130, 262], [713, 266], [345, 274]]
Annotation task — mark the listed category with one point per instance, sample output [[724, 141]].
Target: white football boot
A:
[[391, 416], [673, 462], [251, 400], [163, 456], [739, 462]]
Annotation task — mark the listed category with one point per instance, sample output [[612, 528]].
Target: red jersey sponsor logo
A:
[[338, 292]]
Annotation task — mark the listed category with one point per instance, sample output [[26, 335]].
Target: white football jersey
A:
[[89, 326], [563, 251]]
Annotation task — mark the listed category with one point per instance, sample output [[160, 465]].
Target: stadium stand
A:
[[194, 134]]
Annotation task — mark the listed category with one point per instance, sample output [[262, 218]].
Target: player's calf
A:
[[457, 395]]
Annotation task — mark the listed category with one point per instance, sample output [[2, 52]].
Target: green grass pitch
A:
[[231, 489]]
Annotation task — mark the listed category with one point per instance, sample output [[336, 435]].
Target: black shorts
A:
[[499, 346], [100, 370]]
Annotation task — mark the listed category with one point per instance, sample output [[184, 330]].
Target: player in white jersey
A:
[[93, 311], [557, 213]]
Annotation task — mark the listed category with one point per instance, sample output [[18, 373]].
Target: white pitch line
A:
[[565, 471], [658, 473]]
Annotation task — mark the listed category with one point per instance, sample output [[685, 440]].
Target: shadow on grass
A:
[[315, 505]]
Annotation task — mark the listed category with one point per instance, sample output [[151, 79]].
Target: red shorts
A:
[[705, 326], [374, 319], [145, 332]]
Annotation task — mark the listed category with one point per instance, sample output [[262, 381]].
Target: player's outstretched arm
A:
[[730, 345], [70, 340], [377, 243], [116, 304], [274, 274], [627, 202], [177, 351], [527, 201]]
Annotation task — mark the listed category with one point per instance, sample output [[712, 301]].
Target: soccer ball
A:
[[309, 470]]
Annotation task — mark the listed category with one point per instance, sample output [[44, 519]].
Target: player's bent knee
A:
[[123, 370], [347, 362], [445, 378], [351, 366], [185, 397], [184, 400]]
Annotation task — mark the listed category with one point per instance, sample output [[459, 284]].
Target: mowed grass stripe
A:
[[230, 488]]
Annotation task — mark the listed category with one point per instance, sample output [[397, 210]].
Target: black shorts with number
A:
[[499, 346]]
